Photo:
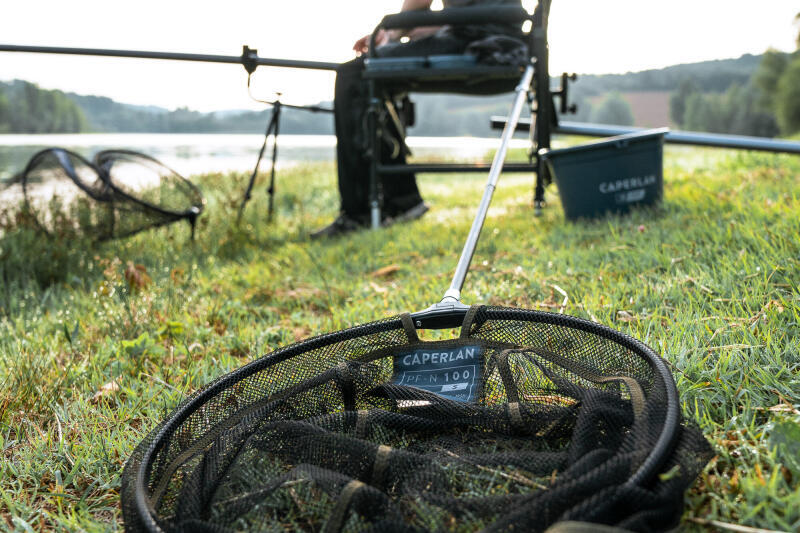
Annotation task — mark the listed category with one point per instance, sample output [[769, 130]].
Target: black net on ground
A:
[[526, 420], [120, 194], [146, 192], [65, 194]]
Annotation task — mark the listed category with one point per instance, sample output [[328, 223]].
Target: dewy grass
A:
[[110, 337]]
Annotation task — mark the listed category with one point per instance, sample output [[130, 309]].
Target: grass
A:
[[98, 343]]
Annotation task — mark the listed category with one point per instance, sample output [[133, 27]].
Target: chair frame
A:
[[540, 95]]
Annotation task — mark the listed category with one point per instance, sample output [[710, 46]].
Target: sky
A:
[[586, 36]]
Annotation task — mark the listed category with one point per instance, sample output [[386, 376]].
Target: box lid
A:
[[618, 141]]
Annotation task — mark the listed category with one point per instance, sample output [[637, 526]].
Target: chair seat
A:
[[477, 80]]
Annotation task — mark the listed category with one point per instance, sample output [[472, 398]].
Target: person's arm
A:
[[362, 45]]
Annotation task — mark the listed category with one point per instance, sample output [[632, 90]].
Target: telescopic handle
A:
[[454, 292]]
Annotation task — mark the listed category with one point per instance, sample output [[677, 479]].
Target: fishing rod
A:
[[691, 138], [249, 58]]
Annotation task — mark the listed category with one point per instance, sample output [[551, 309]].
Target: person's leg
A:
[[400, 191], [350, 103]]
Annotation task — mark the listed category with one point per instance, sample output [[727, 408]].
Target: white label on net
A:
[[453, 373]]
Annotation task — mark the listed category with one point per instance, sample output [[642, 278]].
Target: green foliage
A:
[[5, 113], [787, 98], [678, 100], [785, 440], [797, 23], [28, 256], [772, 66], [613, 110], [104, 114], [25, 108], [736, 111], [709, 280], [708, 76]]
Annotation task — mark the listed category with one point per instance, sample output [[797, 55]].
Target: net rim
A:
[[643, 475], [62, 155], [192, 212]]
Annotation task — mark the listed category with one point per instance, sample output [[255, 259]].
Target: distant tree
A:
[[736, 111], [746, 115], [613, 110], [797, 23], [700, 113], [787, 99], [34, 110], [770, 70], [5, 118], [677, 101]]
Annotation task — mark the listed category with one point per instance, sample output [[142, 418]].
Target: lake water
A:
[[199, 153]]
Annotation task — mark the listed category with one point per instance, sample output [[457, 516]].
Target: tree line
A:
[[25, 108], [766, 104]]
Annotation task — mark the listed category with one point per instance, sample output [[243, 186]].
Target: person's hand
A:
[[422, 31], [362, 45]]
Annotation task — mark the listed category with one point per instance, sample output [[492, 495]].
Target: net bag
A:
[[120, 194], [527, 419], [146, 193], [64, 194]]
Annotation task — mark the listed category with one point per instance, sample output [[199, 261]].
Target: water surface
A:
[[191, 154]]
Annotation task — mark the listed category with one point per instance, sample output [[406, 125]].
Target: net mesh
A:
[[146, 192], [64, 194], [120, 194], [321, 436]]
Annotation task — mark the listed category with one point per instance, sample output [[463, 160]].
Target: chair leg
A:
[[538, 197], [374, 157], [538, 192], [544, 104]]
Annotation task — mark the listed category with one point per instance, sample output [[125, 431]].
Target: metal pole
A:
[[275, 133], [206, 58], [454, 292], [691, 138]]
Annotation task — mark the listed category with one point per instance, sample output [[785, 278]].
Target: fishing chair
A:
[[389, 83]]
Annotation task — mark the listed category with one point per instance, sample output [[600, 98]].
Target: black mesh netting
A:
[[570, 421], [120, 194]]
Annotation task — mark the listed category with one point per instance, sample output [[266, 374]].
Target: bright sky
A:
[[591, 36]]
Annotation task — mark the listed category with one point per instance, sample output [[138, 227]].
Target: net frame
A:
[[107, 194], [98, 191], [105, 158], [141, 465]]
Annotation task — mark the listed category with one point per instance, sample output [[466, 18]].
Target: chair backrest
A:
[[459, 16]]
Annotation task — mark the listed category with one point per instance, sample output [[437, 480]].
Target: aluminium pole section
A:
[[454, 292]]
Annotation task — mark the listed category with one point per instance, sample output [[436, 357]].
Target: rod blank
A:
[[175, 56], [692, 138]]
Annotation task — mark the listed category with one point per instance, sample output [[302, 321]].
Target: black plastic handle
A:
[[441, 316]]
